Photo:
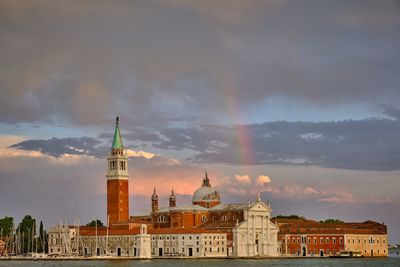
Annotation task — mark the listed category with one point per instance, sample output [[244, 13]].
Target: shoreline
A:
[[173, 258]]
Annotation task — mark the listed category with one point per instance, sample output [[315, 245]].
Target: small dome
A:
[[205, 194]]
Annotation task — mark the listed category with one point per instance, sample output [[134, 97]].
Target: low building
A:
[[367, 242], [133, 241], [188, 243], [311, 238], [61, 240]]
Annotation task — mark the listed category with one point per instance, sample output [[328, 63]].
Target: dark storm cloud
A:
[[168, 61], [371, 144], [392, 112], [360, 145], [56, 147]]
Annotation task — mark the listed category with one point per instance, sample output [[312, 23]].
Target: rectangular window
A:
[[334, 240]]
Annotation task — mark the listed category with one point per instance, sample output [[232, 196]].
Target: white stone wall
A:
[[61, 240], [189, 245]]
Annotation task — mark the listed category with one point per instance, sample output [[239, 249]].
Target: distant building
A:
[[311, 238], [61, 240]]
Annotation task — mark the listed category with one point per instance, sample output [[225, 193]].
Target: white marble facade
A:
[[256, 235]]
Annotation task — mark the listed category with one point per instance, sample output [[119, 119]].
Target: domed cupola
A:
[[206, 196]]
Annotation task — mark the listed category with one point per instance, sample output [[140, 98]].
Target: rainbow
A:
[[242, 137]]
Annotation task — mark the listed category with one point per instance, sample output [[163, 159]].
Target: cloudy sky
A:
[[298, 100]]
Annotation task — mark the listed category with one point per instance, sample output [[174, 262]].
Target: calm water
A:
[[390, 261]]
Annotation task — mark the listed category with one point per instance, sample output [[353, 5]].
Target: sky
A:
[[298, 100]]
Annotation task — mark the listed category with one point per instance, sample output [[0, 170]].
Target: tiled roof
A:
[[218, 224], [223, 207], [181, 231], [183, 208], [313, 227], [150, 230]]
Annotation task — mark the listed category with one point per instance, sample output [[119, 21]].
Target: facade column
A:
[[262, 234], [268, 237], [248, 235], [253, 240]]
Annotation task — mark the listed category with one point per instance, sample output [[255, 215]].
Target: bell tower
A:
[[154, 201], [117, 180]]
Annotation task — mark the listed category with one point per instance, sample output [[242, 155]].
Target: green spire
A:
[[117, 142]]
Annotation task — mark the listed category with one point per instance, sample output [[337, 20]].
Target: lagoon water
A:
[[392, 260]]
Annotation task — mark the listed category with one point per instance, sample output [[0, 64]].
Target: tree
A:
[[6, 226], [93, 223], [332, 221], [292, 217], [41, 243], [27, 231]]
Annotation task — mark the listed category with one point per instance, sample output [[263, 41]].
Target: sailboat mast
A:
[[108, 226], [96, 237]]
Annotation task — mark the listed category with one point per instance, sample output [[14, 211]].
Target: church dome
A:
[[206, 196]]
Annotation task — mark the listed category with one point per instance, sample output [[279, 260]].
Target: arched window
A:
[[204, 218], [162, 219]]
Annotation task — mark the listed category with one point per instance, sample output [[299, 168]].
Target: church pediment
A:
[[259, 206]]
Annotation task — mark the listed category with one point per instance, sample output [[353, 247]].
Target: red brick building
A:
[[302, 237]]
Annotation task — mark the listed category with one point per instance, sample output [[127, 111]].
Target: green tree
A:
[[6, 226], [42, 243], [292, 217], [332, 221], [93, 223], [26, 231]]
